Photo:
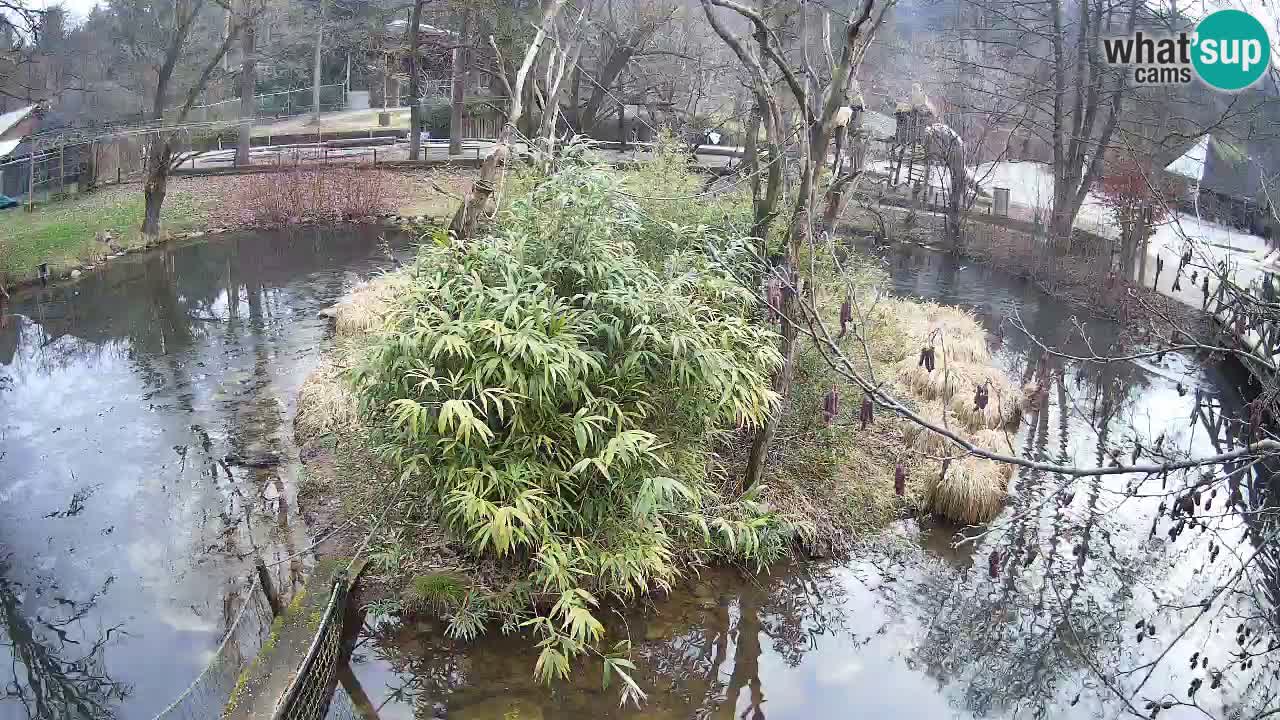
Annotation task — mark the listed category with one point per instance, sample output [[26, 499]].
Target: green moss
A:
[[1229, 152], [242, 682], [295, 605]]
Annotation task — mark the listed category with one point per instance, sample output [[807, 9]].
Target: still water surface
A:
[[125, 532]]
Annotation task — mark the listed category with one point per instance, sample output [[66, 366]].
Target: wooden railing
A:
[[1252, 324]]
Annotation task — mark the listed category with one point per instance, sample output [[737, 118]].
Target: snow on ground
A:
[[1211, 244], [1030, 187]]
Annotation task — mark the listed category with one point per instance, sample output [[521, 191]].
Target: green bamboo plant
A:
[[553, 400]]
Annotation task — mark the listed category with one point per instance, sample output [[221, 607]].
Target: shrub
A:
[[553, 400], [312, 194], [675, 201], [1127, 187]]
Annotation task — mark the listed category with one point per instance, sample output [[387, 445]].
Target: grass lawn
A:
[[63, 233]]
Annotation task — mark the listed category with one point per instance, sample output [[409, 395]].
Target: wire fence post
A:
[[268, 589], [31, 179]]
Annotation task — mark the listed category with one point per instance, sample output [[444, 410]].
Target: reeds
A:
[[325, 403], [972, 489], [365, 308]]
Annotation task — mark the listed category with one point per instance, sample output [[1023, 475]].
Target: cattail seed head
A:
[[830, 405]]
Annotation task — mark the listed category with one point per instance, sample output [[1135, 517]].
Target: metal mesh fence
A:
[[278, 104], [207, 696], [44, 174], [309, 694]]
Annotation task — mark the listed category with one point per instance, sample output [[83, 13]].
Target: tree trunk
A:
[[154, 188], [415, 101], [248, 84], [315, 72], [467, 217], [159, 153], [618, 61], [559, 62], [458, 74], [797, 235], [750, 154]]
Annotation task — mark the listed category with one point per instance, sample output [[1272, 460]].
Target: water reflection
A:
[[130, 400], [1067, 608], [56, 669]]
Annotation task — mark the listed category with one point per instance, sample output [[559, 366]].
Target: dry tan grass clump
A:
[[325, 403], [972, 492], [955, 332], [365, 308], [974, 488], [923, 440]]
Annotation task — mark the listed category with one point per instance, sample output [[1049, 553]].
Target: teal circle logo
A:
[[1232, 50]]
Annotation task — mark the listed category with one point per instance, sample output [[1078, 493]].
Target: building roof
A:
[[1235, 170], [10, 119], [7, 146], [1190, 164], [399, 26]]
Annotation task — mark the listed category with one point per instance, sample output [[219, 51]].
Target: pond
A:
[[131, 401], [125, 529]]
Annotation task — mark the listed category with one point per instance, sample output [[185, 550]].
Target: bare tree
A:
[[415, 82], [170, 26], [467, 218], [248, 77], [568, 46], [316, 66], [458, 78], [818, 102]]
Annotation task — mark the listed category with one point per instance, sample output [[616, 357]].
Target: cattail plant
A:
[[981, 396], [846, 315], [866, 413], [900, 480], [993, 564], [830, 405], [927, 358]]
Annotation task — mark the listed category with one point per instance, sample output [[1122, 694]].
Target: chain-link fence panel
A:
[[343, 707], [309, 694], [207, 696]]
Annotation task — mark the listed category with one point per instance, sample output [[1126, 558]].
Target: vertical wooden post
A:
[[62, 166], [622, 126], [268, 589], [31, 178]]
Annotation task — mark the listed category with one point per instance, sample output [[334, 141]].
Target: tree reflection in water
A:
[[55, 671]]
